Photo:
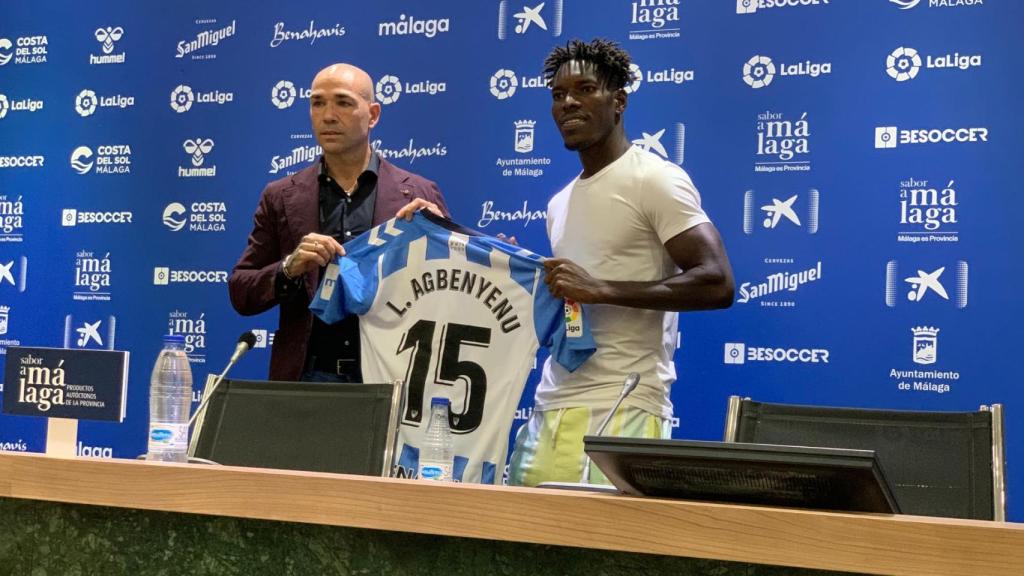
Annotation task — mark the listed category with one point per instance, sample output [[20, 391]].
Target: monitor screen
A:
[[795, 476]]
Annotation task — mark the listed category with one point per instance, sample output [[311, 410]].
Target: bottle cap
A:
[[174, 339], [440, 401]]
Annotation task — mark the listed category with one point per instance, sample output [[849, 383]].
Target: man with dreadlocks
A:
[[633, 246]]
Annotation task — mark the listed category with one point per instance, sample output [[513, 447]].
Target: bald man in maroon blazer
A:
[[302, 221]]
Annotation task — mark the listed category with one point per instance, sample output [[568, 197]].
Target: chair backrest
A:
[[938, 463], [312, 426]]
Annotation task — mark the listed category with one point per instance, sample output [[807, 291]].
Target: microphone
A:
[[245, 343], [628, 385]]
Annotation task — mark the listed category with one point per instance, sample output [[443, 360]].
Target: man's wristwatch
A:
[[284, 266]]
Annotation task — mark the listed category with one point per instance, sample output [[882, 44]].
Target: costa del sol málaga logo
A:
[[903, 64], [758, 72], [389, 89], [283, 94], [182, 98], [504, 84], [85, 103]]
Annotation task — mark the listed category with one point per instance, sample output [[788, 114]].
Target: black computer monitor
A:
[[796, 476], [312, 426]]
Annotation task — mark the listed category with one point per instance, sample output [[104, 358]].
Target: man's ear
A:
[[374, 114], [621, 99]]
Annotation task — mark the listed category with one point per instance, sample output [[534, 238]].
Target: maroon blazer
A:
[[287, 211]]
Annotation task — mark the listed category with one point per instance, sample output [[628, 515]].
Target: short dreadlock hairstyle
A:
[[612, 63]]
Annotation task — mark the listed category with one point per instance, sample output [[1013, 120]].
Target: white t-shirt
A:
[[615, 224]]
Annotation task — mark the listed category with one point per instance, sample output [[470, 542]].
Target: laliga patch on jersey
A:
[[330, 278], [573, 319]]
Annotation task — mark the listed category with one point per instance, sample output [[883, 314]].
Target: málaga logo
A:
[[408, 25], [927, 211], [12, 215]]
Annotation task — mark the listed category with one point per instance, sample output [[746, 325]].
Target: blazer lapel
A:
[[393, 192]]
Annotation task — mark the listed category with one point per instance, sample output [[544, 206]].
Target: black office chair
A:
[[939, 463], [311, 426]]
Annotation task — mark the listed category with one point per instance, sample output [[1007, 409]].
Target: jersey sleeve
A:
[[671, 202], [563, 328], [350, 282]]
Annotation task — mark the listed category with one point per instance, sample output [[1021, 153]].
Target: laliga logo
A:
[[389, 89], [172, 216], [79, 157], [903, 64], [197, 148], [107, 36], [636, 76], [85, 103], [758, 72], [282, 95], [504, 84], [4, 106], [5, 56], [182, 98]]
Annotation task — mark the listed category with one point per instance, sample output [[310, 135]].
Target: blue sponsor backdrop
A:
[[857, 157]]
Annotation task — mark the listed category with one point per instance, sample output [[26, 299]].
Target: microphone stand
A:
[[632, 379], [200, 414]]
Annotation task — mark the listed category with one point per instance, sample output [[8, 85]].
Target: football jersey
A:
[[451, 313]]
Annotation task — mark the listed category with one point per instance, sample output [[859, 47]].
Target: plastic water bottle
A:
[[436, 453], [170, 397]]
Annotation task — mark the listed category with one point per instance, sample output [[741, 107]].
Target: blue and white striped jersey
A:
[[451, 313]]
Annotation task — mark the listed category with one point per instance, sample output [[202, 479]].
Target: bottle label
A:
[[168, 437], [435, 471]]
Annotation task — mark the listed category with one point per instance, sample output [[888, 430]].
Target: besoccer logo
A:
[[636, 76], [107, 36], [389, 89], [903, 64], [197, 148], [4, 106], [85, 103], [173, 216], [885, 136], [758, 72], [80, 159], [182, 98], [5, 55], [735, 352], [504, 84], [283, 95]]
